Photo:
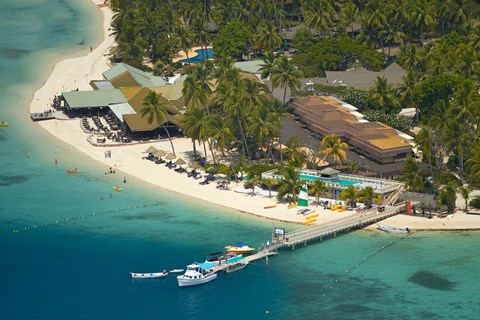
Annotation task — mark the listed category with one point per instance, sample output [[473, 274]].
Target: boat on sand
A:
[[386, 228]]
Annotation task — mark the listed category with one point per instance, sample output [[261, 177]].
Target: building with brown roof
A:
[[375, 140]]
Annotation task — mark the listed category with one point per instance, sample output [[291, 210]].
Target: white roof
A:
[[349, 106], [357, 114], [120, 109]]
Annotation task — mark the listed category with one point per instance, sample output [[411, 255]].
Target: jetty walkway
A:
[[311, 233], [332, 228]]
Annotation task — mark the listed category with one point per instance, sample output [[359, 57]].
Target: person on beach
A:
[[56, 162]]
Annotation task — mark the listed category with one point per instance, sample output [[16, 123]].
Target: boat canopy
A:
[[235, 259], [207, 265], [193, 265]]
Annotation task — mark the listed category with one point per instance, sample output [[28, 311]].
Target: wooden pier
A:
[[332, 228], [311, 233]]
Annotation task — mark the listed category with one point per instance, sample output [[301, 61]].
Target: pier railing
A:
[[318, 232]]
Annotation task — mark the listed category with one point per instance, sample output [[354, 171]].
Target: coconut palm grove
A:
[[436, 42]]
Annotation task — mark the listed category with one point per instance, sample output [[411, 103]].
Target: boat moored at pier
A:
[[197, 273]]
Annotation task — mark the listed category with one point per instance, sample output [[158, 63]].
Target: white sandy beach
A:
[[78, 72]]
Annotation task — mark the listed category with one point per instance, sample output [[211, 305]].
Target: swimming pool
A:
[[341, 182], [200, 56]]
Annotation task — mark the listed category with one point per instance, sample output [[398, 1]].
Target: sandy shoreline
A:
[[76, 73]]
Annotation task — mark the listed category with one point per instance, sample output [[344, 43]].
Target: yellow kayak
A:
[[117, 189], [312, 216], [4, 124], [309, 221], [292, 206]]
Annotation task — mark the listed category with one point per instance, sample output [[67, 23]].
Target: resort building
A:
[[121, 94], [374, 140]]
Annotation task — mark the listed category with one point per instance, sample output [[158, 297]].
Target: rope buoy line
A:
[[368, 257], [84, 216]]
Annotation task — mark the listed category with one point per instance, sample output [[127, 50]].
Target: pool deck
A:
[[191, 54]]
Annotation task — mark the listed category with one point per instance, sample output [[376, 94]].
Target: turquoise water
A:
[[78, 268], [202, 55], [341, 182]]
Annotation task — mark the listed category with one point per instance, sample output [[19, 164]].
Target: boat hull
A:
[[236, 266], [188, 282], [151, 275], [386, 228]]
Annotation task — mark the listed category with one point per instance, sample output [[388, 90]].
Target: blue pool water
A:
[[200, 56], [341, 182], [76, 246]]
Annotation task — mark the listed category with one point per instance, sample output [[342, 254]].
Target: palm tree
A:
[[219, 132], [465, 193], [390, 34], [154, 108], [286, 75], [422, 16], [354, 166], [269, 183], [268, 65], [405, 89], [383, 96], [195, 126], [185, 40], [333, 146], [410, 174], [289, 184], [268, 36], [474, 162], [350, 195], [264, 126], [318, 188], [319, 15], [349, 16], [367, 196]]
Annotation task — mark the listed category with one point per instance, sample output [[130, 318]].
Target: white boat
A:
[[176, 270], [197, 273], [236, 264], [386, 228], [239, 248], [146, 275]]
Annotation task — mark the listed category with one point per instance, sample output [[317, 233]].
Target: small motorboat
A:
[[148, 275], [73, 171], [4, 124], [237, 264], [197, 274], [117, 189], [239, 248], [386, 228], [176, 270]]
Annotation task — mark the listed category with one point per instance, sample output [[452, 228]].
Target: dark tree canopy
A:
[[232, 41]]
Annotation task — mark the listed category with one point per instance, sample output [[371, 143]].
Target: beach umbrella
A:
[[160, 153], [194, 165], [180, 161], [170, 156], [151, 149]]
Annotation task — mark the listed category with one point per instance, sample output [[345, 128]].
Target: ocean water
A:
[[66, 246]]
